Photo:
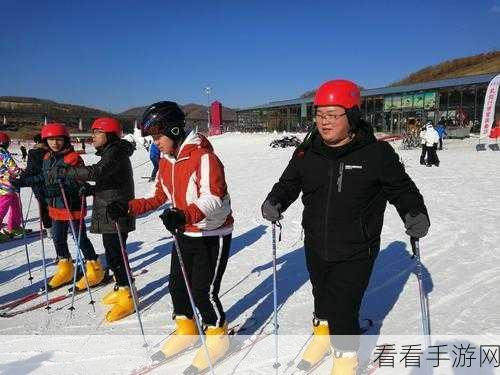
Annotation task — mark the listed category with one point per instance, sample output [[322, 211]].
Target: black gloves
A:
[[116, 210], [173, 219], [417, 224], [86, 190], [271, 211]]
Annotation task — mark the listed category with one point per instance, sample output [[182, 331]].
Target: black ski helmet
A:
[[165, 118]]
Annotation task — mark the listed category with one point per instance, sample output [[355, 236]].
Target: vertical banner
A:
[[489, 107], [80, 125], [215, 118]]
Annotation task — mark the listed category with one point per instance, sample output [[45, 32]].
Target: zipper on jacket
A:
[[173, 186], [328, 199], [341, 174]]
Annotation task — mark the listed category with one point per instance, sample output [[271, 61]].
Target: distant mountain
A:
[[193, 112], [27, 114]]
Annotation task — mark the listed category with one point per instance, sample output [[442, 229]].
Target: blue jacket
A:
[[441, 130], [154, 153]]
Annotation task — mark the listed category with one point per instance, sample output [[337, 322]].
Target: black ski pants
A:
[[423, 154], [205, 260], [432, 157], [338, 289], [114, 257]]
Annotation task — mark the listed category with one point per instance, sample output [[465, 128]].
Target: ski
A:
[[53, 300], [31, 296], [28, 234], [19, 301], [234, 349], [232, 331]]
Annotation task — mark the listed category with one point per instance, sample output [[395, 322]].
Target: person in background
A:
[[24, 153], [154, 156], [431, 142], [9, 199], [34, 168], [441, 130], [423, 154]]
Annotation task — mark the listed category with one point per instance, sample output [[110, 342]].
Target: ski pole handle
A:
[[415, 248]]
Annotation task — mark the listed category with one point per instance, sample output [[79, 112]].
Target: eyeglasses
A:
[[329, 116]]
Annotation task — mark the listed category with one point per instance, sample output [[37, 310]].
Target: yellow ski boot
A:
[[95, 274], [217, 341], [111, 297], [63, 275], [184, 337], [319, 346], [123, 305], [344, 363]]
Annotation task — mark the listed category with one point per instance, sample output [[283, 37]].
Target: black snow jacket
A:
[[34, 167], [114, 181], [345, 191]]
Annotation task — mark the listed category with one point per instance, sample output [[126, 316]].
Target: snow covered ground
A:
[[460, 254]]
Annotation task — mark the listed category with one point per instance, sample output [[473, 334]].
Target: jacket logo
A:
[[353, 166]]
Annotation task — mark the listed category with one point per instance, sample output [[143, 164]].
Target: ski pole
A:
[[47, 307], [80, 225], [30, 278], [275, 295], [424, 302], [78, 249], [129, 278], [191, 299], [29, 206]]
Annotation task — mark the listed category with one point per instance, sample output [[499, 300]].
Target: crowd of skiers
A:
[[346, 178]]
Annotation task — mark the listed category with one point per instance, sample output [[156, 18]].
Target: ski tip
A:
[[159, 356], [303, 366], [191, 370]]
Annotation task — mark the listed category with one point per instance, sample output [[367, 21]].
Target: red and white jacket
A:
[[194, 182]]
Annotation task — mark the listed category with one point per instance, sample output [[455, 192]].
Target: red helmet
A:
[[108, 125], [4, 138], [338, 92], [54, 129]]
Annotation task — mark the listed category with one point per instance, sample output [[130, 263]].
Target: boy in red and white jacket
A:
[[191, 178]]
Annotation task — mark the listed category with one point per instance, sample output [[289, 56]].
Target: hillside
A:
[[25, 115], [483, 63], [193, 112]]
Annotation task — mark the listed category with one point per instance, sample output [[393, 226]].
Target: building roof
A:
[[422, 86]]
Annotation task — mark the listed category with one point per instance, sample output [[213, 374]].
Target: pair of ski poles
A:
[[80, 260]]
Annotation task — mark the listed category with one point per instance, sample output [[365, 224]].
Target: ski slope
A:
[[460, 255]]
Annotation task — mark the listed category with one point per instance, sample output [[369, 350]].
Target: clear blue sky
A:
[[115, 55]]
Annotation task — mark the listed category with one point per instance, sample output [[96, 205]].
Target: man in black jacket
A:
[[346, 178], [34, 168], [114, 182]]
